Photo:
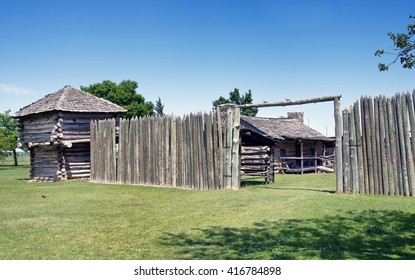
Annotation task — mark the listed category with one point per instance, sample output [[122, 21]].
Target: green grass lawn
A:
[[298, 217]]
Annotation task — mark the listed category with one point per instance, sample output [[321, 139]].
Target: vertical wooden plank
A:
[[138, 153], [106, 158], [338, 145], [154, 151], [159, 141], [112, 154], [402, 131], [148, 151], [167, 150], [374, 158], [378, 148], [236, 164], [346, 153], [395, 147], [173, 151], [185, 154], [410, 143], [202, 151], [369, 150], [121, 138], [209, 150], [92, 132], [130, 153], [191, 172], [154, 154], [120, 155], [100, 155], [384, 148], [389, 155], [359, 148], [195, 152], [122, 151], [221, 150], [190, 141], [215, 150], [98, 161], [228, 172], [354, 167], [162, 147], [141, 149], [364, 145], [182, 131], [177, 148], [407, 143], [400, 148]]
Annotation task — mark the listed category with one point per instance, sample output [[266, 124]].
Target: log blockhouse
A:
[[283, 145], [56, 129]]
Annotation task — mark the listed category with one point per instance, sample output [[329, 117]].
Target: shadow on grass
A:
[[248, 183], [299, 189], [363, 235]]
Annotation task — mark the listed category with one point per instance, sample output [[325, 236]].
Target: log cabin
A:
[[56, 129], [283, 145]]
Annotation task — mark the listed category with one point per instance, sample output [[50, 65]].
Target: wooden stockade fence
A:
[[195, 151], [378, 148]]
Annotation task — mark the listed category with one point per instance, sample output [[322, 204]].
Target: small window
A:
[[283, 153]]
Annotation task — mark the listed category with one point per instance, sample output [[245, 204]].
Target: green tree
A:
[[8, 136], [159, 108], [404, 48], [123, 94], [236, 98]]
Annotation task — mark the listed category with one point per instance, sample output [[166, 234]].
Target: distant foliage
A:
[[123, 94], [404, 48], [236, 98], [159, 108], [8, 135]]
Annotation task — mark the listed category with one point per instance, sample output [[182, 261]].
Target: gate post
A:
[[339, 158]]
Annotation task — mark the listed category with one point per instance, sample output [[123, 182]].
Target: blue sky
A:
[[191, 52]]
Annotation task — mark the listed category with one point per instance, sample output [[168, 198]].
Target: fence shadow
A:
[[365, 235], [300, 189]]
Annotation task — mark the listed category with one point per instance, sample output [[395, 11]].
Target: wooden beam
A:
[[288, 102]]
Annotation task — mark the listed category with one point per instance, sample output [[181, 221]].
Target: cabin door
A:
[[298, 154]]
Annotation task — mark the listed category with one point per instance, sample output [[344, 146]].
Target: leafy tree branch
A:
[[404, 48]]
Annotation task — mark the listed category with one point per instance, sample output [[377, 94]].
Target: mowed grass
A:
[[298, 217]]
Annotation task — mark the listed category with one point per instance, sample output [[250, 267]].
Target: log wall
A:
[[59, 144], [44, 163], [38, 128], [258, 161]]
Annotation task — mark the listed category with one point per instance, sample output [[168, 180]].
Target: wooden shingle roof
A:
[[279, 129], [70, 99]]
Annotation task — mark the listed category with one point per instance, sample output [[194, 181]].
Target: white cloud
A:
[[4, 88]]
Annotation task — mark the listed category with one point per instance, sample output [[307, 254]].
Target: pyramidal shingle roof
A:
[[70, 99]]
